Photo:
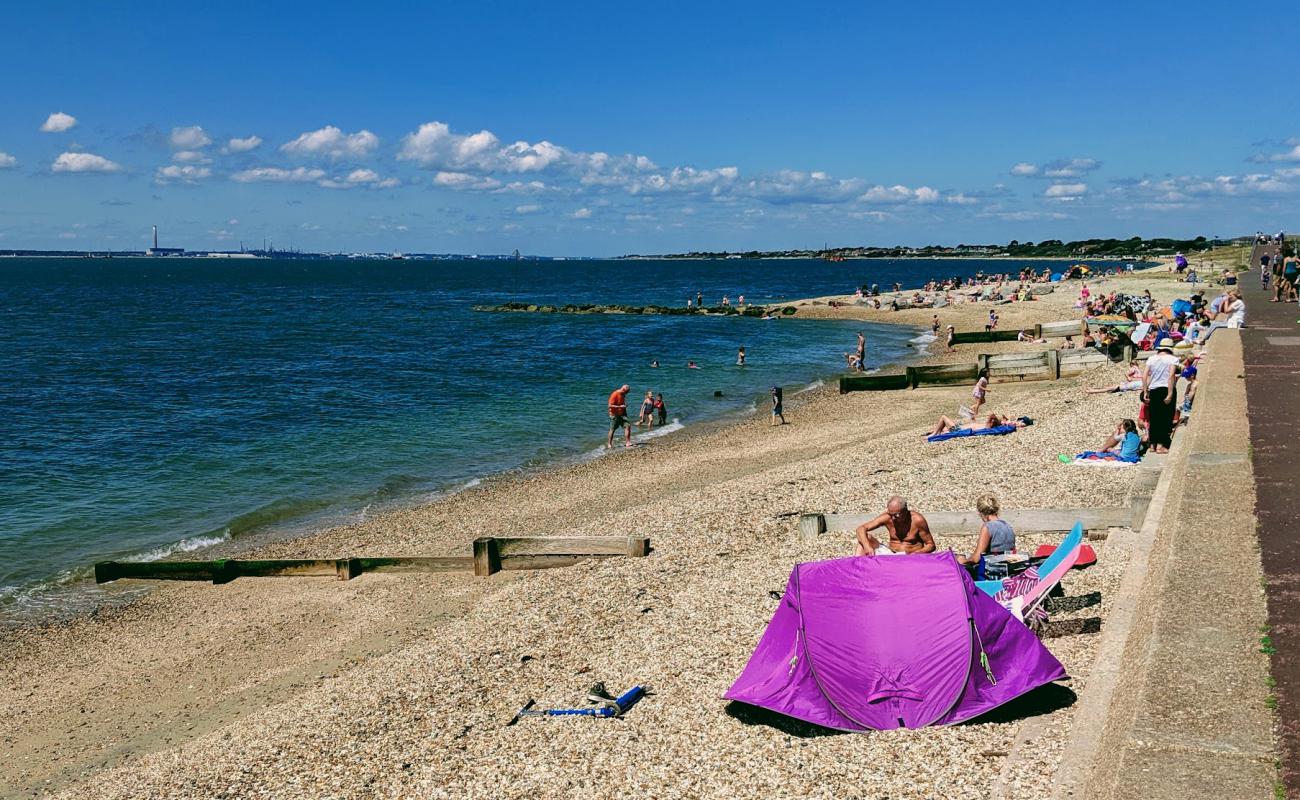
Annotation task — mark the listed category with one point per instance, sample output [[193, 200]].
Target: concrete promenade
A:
[[1271, 347]]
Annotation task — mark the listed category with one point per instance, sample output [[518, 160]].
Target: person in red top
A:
[[618, 416]]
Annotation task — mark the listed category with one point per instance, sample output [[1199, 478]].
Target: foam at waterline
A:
[[817, 384], [675, 425], [183, 546], [924, 338], [637, 438]]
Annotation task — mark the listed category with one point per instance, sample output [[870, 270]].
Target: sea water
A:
[[156, 406]]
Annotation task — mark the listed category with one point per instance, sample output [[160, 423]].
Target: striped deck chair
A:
[[1023, 594]]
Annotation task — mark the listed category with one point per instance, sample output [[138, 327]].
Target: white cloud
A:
[[58, 122], [1029, 216], [232, 221], [1060, 168], [174, 173], [332, 142], [192, 137], [7, 161], [1070, 168], [67, 235], [1289, 155], [84, 162], [582, 213], [434, 145], [190, 157], [531, 208], [890, 195], [463, 180], [1066, 191], [243, 145], [360, 177], [925, 195], [278, 175]]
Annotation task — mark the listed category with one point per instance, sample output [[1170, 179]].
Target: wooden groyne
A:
[[491, 554], [1024, 520], [1047, 330], [1042, 365], [675, 311]]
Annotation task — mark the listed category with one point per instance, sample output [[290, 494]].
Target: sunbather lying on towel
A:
[[950, 425], [1132, 382], [1123, 445]]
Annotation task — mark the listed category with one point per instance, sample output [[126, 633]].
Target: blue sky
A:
[[609, 128]]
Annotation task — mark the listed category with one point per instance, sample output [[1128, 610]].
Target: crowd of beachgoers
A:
[[405, 684]]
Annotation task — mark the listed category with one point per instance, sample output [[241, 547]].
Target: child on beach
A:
[[981, 390], [662, 409], [952, 339], [776, 407], [647, 418]]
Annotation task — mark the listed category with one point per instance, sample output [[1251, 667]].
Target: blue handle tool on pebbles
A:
[[605, 705]]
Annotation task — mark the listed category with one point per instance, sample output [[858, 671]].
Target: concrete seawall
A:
[[1178, 703]]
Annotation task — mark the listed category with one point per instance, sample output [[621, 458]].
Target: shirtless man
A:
[[908, 531]]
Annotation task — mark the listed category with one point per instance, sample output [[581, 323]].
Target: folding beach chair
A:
[[1023, 594]]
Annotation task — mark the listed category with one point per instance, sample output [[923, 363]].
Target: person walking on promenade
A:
[[1159, 392], [618, 416]]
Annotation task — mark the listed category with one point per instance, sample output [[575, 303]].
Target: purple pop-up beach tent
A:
[[888, 642]]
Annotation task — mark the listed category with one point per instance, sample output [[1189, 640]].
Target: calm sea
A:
[[149, 407]]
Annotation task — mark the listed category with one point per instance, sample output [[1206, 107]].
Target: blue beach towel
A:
[[1000, 430], [1111, 456]]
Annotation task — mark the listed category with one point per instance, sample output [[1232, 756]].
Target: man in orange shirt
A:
[[618, 416]]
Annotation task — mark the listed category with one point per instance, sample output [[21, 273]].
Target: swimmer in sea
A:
[[692, 365], [740, 357]]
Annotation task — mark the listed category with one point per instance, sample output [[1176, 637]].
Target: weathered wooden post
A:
[[911, 377], [638, 546], [347, 568], [811, 526], [1054, 364], [487, 557], [1038, 330], [981, 362], [1130, 352]]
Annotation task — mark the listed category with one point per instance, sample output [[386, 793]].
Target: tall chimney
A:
[[155, 237]]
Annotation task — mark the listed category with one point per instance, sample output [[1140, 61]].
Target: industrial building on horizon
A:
[[163, 251]]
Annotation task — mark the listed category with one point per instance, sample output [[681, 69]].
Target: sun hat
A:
[[1166, 344]]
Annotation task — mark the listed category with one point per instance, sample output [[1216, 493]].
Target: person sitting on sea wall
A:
[[1188, 374], [996, 535], [909, 532]]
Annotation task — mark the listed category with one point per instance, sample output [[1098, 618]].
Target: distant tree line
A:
[[1135, 247]]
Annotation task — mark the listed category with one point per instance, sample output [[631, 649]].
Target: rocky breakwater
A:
[[594, 308]]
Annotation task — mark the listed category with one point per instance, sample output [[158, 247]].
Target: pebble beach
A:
[[402, 685]]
